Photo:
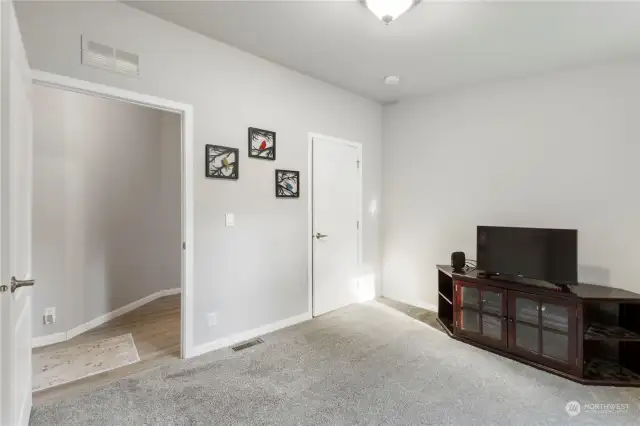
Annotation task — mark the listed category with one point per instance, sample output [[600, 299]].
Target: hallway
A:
[[155, 328]]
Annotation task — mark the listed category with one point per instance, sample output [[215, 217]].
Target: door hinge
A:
[[358, 163], [358, 224], [184, 245]]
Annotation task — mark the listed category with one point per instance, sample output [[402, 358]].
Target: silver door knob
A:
[[16, 284], [320, 236]]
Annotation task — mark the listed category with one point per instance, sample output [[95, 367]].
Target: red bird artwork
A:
[[262, 144]]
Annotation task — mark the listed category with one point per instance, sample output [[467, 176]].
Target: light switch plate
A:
[[229, 219]]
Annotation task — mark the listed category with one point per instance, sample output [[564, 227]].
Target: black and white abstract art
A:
[[262, 144], [221, 162], [287, 184]]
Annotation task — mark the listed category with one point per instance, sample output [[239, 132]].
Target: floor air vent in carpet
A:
[[247, 344]]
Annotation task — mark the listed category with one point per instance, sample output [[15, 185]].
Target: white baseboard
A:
[[415, 302], [49, 339], [249, 334], [61, 337]]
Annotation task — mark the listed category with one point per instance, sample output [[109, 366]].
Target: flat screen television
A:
[[543, 254]]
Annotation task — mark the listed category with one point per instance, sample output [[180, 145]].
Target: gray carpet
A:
[[364, 364], [420, 314]]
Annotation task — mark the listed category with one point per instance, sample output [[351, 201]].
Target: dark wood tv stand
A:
[[588, 333]]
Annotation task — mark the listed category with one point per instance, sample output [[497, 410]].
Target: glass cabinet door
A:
[[470, 308], [492, 314], [527, 324], [540, 327], [470, 320], [555, 333], [555, 316], [555, 345], [527, 310], [527, 337], [482, 313], [492, 302], [492, 327], [470, 297]]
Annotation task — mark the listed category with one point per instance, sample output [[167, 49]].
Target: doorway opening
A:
[[111, 222], [335, 223]]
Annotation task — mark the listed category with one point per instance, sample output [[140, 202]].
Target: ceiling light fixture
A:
[[392, 80], [388, 10]]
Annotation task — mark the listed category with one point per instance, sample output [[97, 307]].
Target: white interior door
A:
[[15, 225], [336, 214]]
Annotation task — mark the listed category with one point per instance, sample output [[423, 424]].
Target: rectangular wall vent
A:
[[108, 58], [126, 63], [97, 55], [246, 345]]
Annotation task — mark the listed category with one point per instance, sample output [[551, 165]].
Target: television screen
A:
[[544, 254]]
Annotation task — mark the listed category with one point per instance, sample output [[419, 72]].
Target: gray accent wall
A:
[[106, 196], [256, 272], [556, 150]]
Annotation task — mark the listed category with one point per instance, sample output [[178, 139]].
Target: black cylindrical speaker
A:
[[458, 261]]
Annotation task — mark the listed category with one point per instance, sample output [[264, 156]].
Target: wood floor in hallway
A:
[[155, 328]]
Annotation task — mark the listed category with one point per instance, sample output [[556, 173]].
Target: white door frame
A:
[[43, 78], [358, 146]]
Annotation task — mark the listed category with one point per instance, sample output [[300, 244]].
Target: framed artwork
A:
[[221, 162], [262, 144], [287, 184]]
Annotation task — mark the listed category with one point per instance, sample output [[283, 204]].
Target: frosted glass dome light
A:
[[388, 10]]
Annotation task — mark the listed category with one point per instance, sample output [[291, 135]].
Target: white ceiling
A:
[[436, 46]]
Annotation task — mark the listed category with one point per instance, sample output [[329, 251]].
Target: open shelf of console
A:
[[606, 371], [445, 301], [597, 331], [611, 346], [586, 333]]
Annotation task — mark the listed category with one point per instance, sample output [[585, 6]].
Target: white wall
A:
[[559, 150], [256, 273], [106, 219]]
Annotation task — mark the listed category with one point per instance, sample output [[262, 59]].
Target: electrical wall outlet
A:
[[49, 316], [212, 319]]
